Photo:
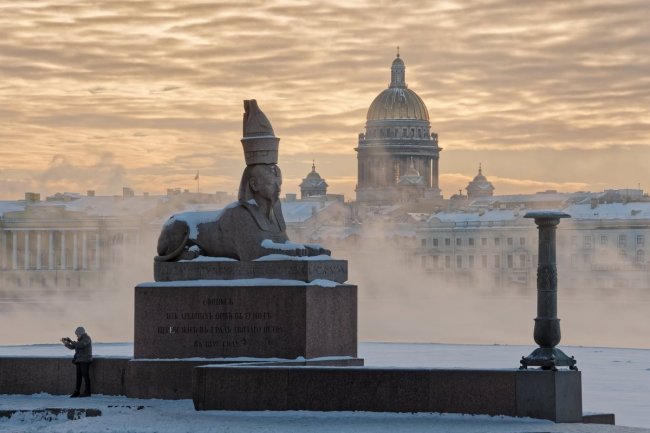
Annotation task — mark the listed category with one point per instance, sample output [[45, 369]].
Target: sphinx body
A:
[[253, 226]]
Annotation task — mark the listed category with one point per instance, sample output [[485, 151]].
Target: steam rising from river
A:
[[397, 302]]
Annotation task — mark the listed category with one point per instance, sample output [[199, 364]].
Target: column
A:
[[125, 248], [26, 252], [63, 263], [547, 325], [38, 250], [50, 251], [74, 250], [14, 250], [4, 249], [84, 250], [434, 173], [97, 251]]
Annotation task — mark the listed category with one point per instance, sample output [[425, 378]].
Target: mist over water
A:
[[397, 303], [403, 303]]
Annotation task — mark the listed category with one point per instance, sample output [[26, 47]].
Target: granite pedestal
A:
[[248, 318], [210, 268], [552, 395]]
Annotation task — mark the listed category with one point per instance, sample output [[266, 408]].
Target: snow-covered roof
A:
[[525, 198], [335, 232], [11, 206], [112, 206], [610, 211], [300, 211], [481, 217]]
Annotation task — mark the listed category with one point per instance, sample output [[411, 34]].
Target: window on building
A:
[[640, 257], [471, 242], [522, 241], [447, 242], [522, 261], [497, 261], [603, 239], [424, 242], [459, 242], [622, 241], [459, 261], [484, 261], [404, 132], [510, 242], [483, 242], [435, 242], [510, 261], [447, 261], [497, 242], [640, 240], [470, 261], [435, 261], [587, 242], [423, 261]]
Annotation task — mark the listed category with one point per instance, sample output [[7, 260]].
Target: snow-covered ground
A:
[[614, 380]]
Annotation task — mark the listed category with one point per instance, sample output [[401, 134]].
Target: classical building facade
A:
[[398, 135], [603, 246], [65, 246]]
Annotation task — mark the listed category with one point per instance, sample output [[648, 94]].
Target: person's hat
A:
[[259, 141], [80, 331]]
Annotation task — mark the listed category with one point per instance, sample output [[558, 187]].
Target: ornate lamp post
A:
[[547, 325]]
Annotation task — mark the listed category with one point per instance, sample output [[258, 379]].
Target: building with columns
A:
[[398, 136], [56, 246]]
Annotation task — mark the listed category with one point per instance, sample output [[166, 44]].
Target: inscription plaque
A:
[[182, 320]]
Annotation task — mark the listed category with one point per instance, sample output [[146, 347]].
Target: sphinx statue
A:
[[249, 228]]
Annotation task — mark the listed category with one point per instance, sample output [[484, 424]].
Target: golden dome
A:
[[398, 101]]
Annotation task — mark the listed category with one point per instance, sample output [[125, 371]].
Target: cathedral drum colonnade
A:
[[398, 135]]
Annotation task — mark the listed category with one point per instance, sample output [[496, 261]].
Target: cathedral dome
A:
[[398, 101]]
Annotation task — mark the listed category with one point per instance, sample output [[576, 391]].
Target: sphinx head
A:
[[261, 182]]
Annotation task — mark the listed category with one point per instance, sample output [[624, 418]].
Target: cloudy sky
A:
[[104, 94]]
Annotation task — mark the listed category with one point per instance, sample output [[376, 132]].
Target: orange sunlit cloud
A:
[[101, 95]]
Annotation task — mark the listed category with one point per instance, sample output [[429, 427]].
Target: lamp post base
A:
[[548, 359]]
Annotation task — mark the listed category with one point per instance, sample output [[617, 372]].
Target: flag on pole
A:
[[197, 175]]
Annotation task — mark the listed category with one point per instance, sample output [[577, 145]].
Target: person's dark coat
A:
[[83, 349]]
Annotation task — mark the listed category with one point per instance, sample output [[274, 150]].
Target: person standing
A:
[[83, 356]]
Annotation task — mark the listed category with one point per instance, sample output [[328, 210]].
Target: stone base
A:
[[548, 359], [172, 380], [28, 375], [599, 418], [306, 270], [164, 379], [552, 395], [217, 319]]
